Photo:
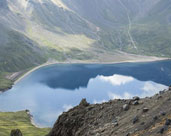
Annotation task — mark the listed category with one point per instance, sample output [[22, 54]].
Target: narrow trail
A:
[[129, 25]]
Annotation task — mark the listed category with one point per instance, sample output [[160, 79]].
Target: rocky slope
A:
[[150, 116]]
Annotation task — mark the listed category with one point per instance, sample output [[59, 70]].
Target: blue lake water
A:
[[50, 90]]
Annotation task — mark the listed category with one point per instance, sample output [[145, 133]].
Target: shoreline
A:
[[80, 62], [86, 62]]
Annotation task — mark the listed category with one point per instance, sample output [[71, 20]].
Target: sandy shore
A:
[[143, 59]]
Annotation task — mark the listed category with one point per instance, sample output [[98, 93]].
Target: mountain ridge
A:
[[119, 117], [83, 30]]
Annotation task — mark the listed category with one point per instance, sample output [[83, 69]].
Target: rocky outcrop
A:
[[16, 132], [150, 116]]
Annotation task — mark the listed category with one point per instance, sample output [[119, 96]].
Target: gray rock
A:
[[136, 98], [115, 122], [16, 132], [135, 102], [125, 107], [155, 118], [161, 130], [164, 128], [135, 119], [168, 122], [170, 88], [145, 109], [161, 92], [84, 103], [163, 113]]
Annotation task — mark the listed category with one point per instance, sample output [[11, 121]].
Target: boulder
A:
[[16, 132], [84, 103], [170, 88], [136, 98], [125, 107], [135, 102], [135, 119], [161, 92]]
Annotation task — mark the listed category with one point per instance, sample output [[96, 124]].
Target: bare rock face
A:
[[69, 123], [151, 117], [16, 132]]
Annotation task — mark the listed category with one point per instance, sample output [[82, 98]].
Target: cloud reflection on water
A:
[[46, 103], [116, 79]]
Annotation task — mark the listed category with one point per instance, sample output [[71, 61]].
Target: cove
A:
[[50, 90]]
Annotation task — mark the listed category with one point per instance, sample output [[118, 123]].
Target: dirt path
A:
[[129, 25]]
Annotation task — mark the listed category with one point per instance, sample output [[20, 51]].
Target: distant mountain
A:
[[81, 29]]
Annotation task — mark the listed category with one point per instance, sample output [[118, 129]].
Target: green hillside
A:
[[33, 32], [18, 52], [19, 120]]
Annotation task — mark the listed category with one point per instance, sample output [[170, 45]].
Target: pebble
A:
[[163, 113], [168, 122], [135, 119], [145, 109], [115, 122], [155, 118], [163, 129]]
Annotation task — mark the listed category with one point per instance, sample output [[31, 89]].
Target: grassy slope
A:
[[150, 39], [153, 39], [4, 83], [19, 120], [18, 52]]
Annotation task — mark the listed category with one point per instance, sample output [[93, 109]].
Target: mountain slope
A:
[[81, 30], [18, 52], [133, 117]]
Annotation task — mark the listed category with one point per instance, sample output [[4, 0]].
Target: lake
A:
[[50, 90]]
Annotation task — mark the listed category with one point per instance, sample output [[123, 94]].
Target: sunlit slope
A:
[[79, 29], [19, 120], [18, 52], [136, 26]]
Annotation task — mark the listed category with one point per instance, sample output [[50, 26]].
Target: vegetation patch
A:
[[19, 120], [4, 83]]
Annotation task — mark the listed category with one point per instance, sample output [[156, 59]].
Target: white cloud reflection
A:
[[151, 88], [67, 107], [116, 79], [98, 102], [125, 95]]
